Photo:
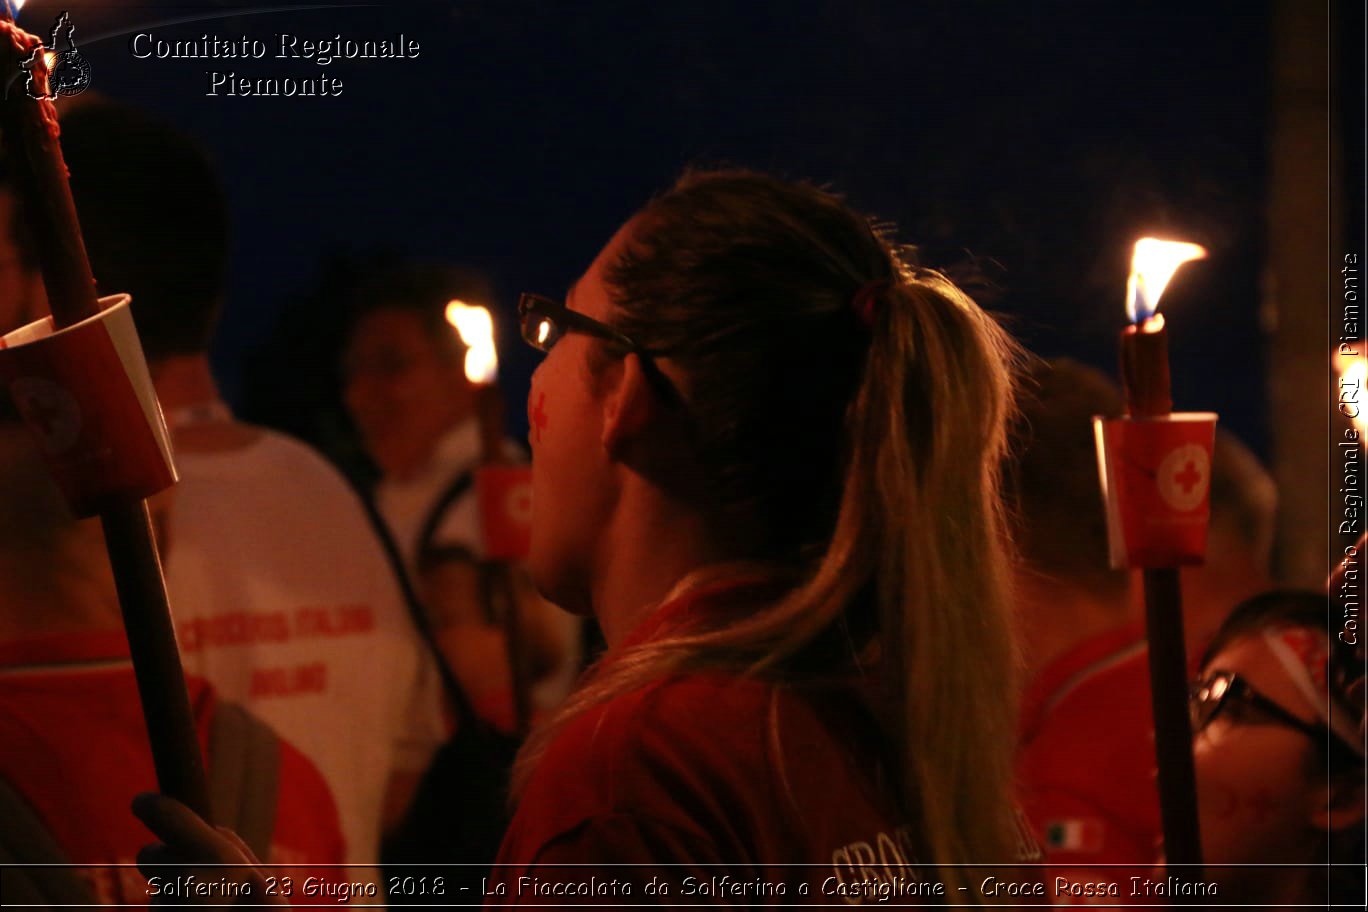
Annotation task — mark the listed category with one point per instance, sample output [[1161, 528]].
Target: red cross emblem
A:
[[1188, 477], [537, 417], [1183, 477]]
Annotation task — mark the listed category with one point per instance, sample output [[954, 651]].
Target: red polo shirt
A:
[[712, 788], [1086, 768]]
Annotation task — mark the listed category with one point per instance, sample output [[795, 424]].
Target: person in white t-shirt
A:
[[281, 593], [406, 390]]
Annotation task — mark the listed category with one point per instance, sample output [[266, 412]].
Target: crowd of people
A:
[[833, 526]]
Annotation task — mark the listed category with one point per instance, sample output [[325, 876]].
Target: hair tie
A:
[[866, 299]]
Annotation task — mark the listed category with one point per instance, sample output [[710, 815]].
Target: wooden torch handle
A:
[[156, 660], [1172, 727], [1145, 379]]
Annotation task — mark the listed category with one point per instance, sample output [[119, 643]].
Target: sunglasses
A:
[[543, 321], [1222, 690]]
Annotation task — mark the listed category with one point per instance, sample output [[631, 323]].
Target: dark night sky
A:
[[1038, 140]]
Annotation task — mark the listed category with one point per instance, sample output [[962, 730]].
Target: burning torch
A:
[[80, 382], [1156, 473], [503, 492]]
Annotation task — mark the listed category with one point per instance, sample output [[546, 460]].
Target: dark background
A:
[[1033, 142]]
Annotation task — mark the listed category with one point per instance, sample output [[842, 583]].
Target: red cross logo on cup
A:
[[1184, 476]]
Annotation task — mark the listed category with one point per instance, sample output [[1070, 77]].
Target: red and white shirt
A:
[[714, 787], [284, 600]]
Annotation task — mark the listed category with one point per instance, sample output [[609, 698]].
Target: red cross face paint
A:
[[568, 482], [1156, 479], [536, 416], [576, 485]]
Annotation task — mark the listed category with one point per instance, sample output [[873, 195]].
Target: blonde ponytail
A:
[[929, 431]]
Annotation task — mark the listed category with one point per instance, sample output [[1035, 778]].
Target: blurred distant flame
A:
[[476, 329], [1152, 266], [1353, 373]]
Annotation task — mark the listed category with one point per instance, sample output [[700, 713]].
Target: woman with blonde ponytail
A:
[[765, 459]]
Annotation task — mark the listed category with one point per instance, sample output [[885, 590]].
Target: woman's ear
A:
[[1339, 804], [629, 406]]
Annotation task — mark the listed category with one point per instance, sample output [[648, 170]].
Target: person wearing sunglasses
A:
[[1279, 755], [765, 459]]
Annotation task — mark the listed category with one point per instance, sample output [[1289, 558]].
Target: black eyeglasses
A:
[[1222, 689], [544, 321]]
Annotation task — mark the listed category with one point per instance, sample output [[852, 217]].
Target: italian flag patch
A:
[[1076, 835]]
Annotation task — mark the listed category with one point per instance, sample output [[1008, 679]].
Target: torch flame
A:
[[476, 329], [1152, 266]]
